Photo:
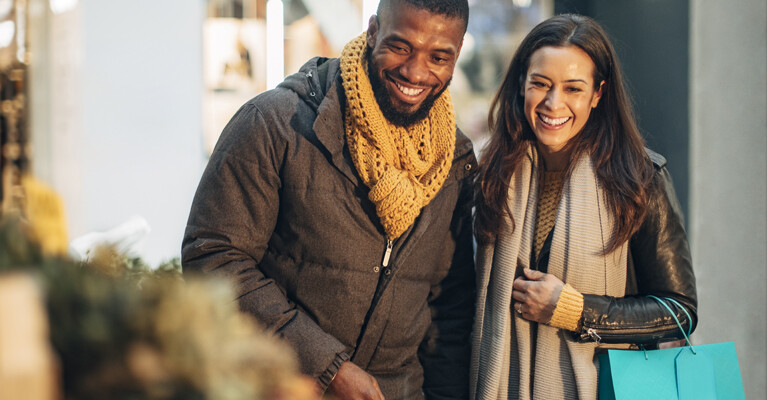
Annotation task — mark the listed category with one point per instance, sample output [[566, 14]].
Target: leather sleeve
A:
[[233, 215], [662, 265], [445, 351]]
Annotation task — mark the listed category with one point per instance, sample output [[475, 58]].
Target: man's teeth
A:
[[408, 91], [553, 121]]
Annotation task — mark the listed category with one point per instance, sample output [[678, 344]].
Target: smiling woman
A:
[[577, 223]]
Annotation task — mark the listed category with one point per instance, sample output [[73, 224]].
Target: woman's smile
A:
[[552, 122]]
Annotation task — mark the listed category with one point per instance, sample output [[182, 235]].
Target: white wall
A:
[[125, 116], [728, 171]]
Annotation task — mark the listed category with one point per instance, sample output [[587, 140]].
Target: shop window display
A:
[[495, 28], [235, 52]]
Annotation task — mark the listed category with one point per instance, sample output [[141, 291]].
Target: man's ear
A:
[[372, 30]]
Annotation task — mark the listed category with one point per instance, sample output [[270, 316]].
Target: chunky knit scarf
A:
[[403, 167], [513, 358]]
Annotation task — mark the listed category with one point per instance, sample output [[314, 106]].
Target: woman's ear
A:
[[522, 85], [597, 95]]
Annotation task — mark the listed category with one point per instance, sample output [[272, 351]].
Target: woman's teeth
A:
[[553, 121]]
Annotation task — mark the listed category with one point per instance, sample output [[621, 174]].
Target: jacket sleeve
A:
[[445, 351], [661, 260], [232, 218]]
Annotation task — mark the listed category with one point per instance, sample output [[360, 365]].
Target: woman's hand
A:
[[536, 295]]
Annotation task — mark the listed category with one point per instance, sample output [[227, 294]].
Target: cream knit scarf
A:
[[403, 167], [513, 358]]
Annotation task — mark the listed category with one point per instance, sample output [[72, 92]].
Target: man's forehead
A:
[[396, 8], [422, 27]]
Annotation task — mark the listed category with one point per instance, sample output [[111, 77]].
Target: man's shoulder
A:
[[463, 144], [301, 92], [274, 100]]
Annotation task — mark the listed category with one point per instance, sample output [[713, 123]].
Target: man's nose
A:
[[415, 69]]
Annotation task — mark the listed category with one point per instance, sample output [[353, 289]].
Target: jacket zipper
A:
[[627, 335], [387, 253]]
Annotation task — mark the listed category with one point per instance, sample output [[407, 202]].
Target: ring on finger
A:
[[519, 308]]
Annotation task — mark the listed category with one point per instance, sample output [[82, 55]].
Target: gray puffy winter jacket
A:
[[281, 211]]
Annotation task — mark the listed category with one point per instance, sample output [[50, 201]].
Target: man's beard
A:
[[395, 116]]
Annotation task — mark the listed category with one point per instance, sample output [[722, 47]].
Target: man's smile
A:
[[406, 93]]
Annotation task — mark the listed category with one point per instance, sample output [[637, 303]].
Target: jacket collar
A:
[[328, 126]]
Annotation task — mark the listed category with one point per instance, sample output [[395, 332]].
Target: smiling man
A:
[[339, 205]]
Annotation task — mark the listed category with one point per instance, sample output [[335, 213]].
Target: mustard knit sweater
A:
[[567, 314]]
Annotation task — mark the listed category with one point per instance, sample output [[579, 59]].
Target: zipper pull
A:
[[594, 335], [387, 254]]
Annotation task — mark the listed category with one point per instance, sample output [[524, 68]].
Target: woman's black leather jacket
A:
[[659, 264]]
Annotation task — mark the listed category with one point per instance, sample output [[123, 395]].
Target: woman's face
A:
[[559, 95]]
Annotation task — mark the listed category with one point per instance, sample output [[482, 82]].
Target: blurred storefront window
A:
[[235, 50], [495, 29], [234, 46], [236, 53], [14, 138]]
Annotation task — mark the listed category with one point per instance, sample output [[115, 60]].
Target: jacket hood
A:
[[306, 82]]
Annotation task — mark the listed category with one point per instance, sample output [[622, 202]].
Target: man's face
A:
[[411, 60]]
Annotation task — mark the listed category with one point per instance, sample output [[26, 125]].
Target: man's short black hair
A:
[[449, 8]]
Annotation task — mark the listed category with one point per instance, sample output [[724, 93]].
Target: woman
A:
[[577, 223]]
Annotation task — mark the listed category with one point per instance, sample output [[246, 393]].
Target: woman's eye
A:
[[538, 84], [574, 89]]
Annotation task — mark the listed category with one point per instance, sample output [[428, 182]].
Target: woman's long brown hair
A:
[[610, 136]]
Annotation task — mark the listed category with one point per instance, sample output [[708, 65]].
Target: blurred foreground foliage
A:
[[122, 330]]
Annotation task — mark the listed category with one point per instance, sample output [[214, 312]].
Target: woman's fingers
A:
[[534, 275], [536, 295], [519, 295], [521, 284]]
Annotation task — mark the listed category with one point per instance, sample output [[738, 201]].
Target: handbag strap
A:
[[673, 315]]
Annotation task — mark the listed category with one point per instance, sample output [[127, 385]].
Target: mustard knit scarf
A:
[[403, 167]]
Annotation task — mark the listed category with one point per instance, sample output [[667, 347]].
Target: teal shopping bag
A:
[[699, 372], [626, 374]]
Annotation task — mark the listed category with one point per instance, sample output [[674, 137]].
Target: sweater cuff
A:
[[567, 314], [330, 373]]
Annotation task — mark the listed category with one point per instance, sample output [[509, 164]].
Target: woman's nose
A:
[[554, 99]]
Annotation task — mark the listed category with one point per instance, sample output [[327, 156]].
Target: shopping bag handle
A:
[[673, 314]]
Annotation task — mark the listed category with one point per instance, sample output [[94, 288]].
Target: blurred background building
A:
[[117, 104]]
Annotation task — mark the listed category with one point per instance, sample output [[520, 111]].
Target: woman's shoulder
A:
[[661, 179], [662, 201], [657, 159]]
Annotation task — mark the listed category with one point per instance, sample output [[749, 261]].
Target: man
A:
[[339, 203]]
